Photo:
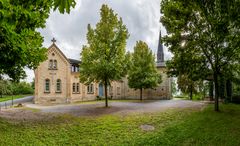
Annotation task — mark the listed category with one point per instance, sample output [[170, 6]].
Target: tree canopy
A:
[[21, 43], [209, 31], [143, 73], [104, 58]]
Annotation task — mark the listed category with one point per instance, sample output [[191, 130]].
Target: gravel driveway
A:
[[97, 108]]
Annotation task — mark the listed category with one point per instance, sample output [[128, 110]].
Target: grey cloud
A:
[[140, 16]]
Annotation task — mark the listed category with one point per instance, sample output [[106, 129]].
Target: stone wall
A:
[[43, 72], [118, 89]]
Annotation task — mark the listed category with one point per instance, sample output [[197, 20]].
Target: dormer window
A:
[[75, 68]]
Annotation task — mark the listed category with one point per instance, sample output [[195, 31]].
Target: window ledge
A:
[[90, 93], [58, 92], [52, 69], [76, 93], [46, 91]]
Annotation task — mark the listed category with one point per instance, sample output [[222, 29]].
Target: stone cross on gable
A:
[[54, 40]]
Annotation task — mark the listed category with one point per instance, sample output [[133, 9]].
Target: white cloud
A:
[[140, 16]]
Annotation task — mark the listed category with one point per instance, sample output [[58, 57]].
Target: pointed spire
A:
[[160, 53]]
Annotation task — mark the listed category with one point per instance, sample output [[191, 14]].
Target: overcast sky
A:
[[140, 16]]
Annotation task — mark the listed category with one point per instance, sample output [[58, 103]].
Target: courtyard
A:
[[125, 122], [96, 108]]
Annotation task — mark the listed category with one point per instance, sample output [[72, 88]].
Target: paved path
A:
[[16, 101], [97, 108]]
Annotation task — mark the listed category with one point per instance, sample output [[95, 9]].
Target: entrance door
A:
[[100, 89]]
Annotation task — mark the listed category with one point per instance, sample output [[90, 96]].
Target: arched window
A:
[[47, 85], [58, 85], [73, 88], [78, 91], [90, 89], [55, 64], [50, 64]]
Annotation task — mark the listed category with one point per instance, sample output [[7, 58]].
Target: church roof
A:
[[74, 61]]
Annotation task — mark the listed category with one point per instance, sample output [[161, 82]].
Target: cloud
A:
[[140, 16]]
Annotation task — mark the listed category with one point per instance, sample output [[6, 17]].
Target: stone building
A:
[[57, 81]]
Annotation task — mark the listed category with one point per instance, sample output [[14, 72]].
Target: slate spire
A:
[[160, 54]]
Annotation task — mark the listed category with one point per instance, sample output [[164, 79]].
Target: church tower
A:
[[160, 54]]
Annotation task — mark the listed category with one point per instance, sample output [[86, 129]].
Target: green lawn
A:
[[9, 97], [196, 97], [174, 127]]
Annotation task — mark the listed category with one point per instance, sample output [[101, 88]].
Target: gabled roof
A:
[[55, 46]]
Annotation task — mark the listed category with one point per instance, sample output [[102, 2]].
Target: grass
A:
[[174, 127], [195, 97], [9, 97]]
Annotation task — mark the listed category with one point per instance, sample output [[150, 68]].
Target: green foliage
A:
[[104, 57], [21, 43], [4, 90], [173, 127], [143, 73], [64, 5], [186, 85], [204, 37], [22, 88], [174, 89], [13, 88]]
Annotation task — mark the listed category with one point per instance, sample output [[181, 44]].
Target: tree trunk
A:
[[191, 92], [229, 89], [211, 90], [215, 76], [141, 94], [106, 98], [222, 87]]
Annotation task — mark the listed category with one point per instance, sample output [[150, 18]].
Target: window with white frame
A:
[[78, 88], [58, 85], [111, 90], [52, 64], [47, 85], [118, 91], [90, 89], [73, 88]]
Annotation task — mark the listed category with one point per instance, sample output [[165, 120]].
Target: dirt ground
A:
[[32, 112]]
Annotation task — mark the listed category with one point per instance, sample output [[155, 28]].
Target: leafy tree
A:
[[211, 88], [143, 73], [209, 29], [3, 88], [187, 85], [104, 57], [174, 89], [21, 43]]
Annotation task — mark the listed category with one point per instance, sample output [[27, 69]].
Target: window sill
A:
[[76, 93], [47, 92], [58, 92], [52, 69], [90, 93]]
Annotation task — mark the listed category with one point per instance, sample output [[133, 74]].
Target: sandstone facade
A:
[[57, 81]]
